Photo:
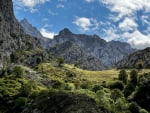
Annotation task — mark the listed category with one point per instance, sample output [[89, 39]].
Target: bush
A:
[[18, 71], [116, 85], [69, 86], [96, 87], [115, 94], [128, 89], [84, 85], [60, 61], [134, 108]]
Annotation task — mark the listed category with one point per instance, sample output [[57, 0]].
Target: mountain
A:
[[29, 29], [107, 53], [136, 59], [13, 40], [74, 54]]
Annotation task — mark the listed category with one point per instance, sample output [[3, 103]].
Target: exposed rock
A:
[[141, 57], [107, 52], [29, 29], [12, 36], [74, 54], [64, 103]]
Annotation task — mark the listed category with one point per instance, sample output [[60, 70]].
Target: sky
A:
[[121, 20]]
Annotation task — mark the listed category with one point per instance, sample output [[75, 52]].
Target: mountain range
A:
[[102, 54]]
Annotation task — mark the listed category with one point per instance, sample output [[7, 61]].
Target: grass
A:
[[83, 75], [94, 76]]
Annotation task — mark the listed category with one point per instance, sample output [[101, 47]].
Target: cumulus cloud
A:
[[86, 24], [60, 6], [47, 34], [124, 17], [128, 24], [31, 4], [126, 7], [89, 1], [137, 39]]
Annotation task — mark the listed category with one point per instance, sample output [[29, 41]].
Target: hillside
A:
[[74, 54], [107, 52], [138, 59]]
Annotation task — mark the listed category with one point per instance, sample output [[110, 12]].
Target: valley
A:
[[71, 73]]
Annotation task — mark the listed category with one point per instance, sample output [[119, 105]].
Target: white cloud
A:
[[86, 24], [51, 12], [145, 20], [47, 34], [128, 24], [111, 34], [89, 1], [60, 6], [126, 7], [137, 39], [30, 4]]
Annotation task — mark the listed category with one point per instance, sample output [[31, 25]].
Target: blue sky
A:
[[123, 20]]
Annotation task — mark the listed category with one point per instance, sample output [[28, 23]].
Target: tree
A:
[[134, 77], [139, 65], [123, 76]]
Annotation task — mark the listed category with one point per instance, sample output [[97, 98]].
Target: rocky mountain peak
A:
[[8, 22], [33, 31], [65, 32], [29, 29]]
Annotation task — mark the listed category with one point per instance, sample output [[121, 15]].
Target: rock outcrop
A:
[[106, 52], [138, 59], [30, 30], [12, 36], [74, 54]]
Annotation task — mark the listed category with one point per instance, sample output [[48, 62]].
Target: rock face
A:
[[138, 58], [12, 36], [107, 53], [29, 29], [64, 103], [75, 54]]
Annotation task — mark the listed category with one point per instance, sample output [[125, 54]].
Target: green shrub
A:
[[60, 61], [18, 71], [128, 89], [69, 86], [134, 108], [116, 85], [115, 94], [97, 87], [84, 85]]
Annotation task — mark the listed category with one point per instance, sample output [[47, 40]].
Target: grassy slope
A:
[[91, 76]]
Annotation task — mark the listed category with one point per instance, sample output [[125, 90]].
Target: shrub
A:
[[115, 94], [18, 71], [134, 108], [116, 84], [60, 61], [69, 86], [96, 87], [128, 89]]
